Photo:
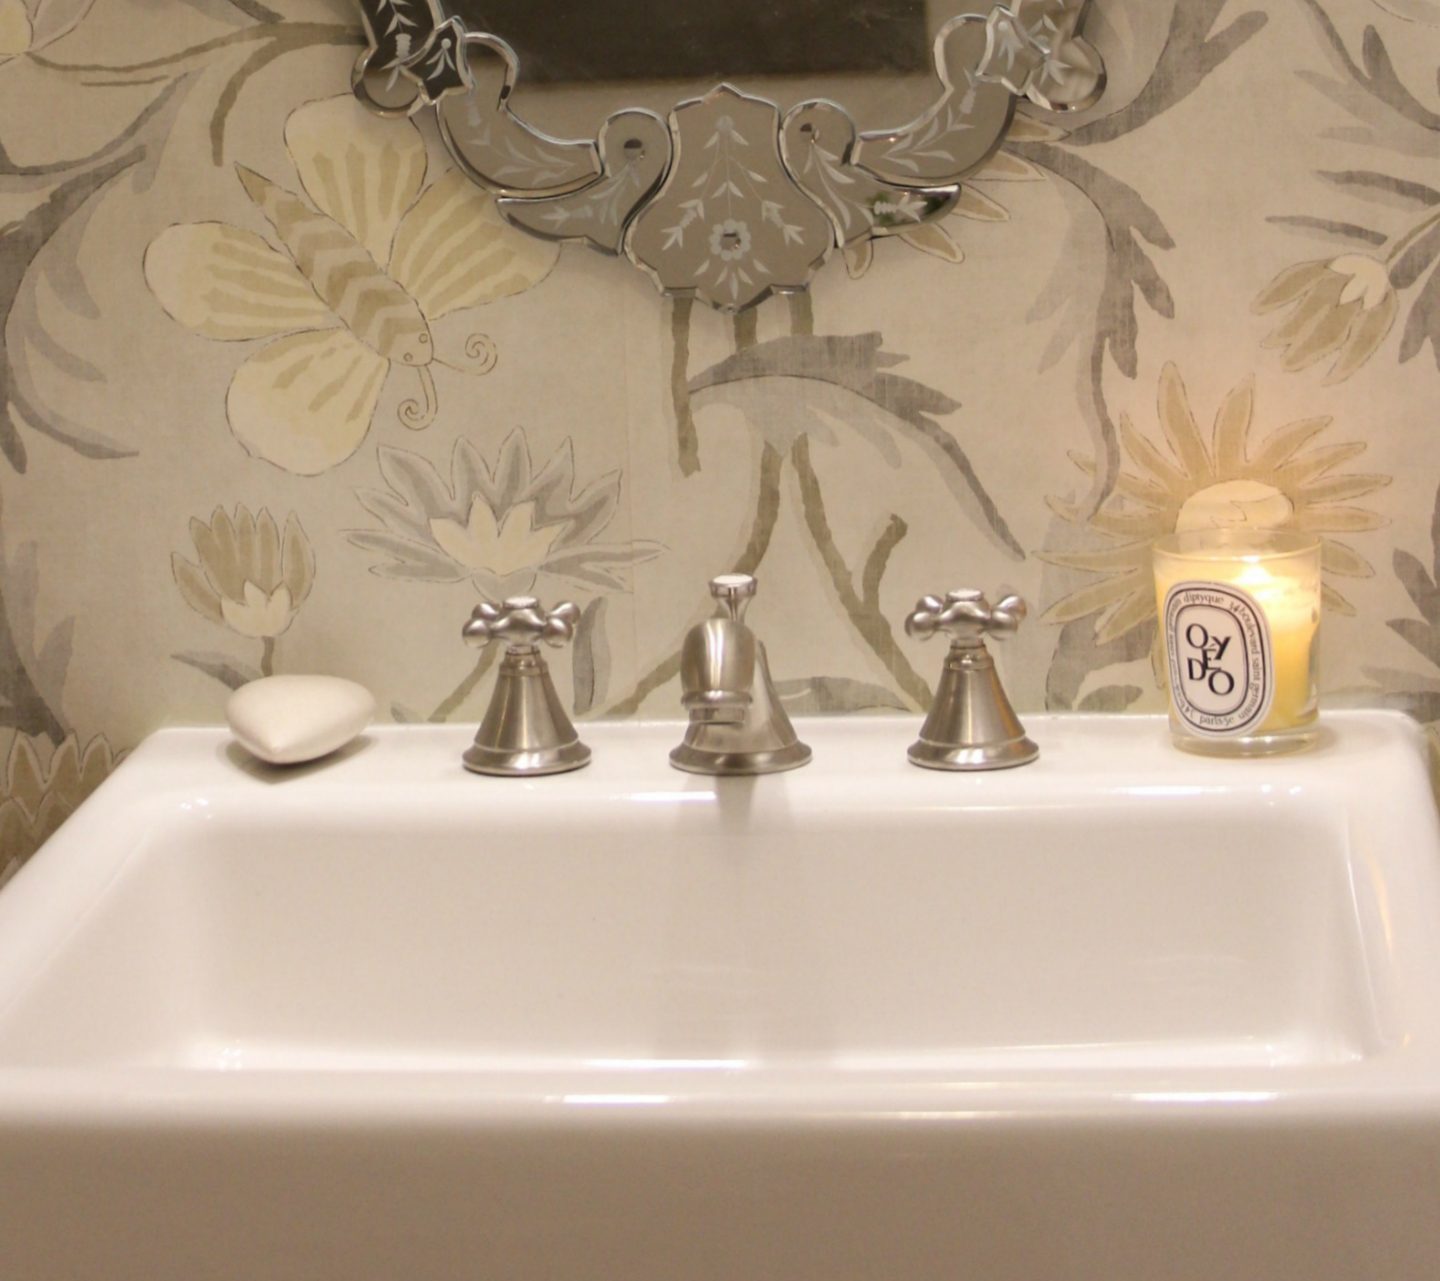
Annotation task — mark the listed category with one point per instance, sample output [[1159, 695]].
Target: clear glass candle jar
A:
[[1239, 613]]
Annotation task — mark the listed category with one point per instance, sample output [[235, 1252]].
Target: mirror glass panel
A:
[[726, 150], [580, 63]]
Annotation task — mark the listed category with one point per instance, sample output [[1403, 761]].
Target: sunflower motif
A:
[[35, 799], [1275, 483], [499, 525]]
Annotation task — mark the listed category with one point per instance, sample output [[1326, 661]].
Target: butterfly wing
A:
[[362, 171], [230, 284], [454, 250], [305, 402]]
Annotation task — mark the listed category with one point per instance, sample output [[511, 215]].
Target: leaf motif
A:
[[1383, 188], [410, 558], [1193, 48], [21, 244], [1128, 270], [394, 512], [53, 660], [230, 672], [1418, 584], [600, 566], [417, 482], [858, 258], [590, 658], [1420, 637], [826, 695], [1005, 167], [1330, 228], [1110, 698], [932, 238], [853, 364], [1078, 654], [978, 207], [1423, 324]]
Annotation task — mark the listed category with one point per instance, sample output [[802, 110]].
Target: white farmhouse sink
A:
[[1122, 1015]]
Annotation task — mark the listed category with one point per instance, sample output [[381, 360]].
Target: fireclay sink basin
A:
[[1120, 1015]]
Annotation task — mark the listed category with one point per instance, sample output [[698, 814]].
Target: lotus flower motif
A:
[[249, 577], [36, 798]]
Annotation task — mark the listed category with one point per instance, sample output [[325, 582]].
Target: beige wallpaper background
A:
[[1216, 291]]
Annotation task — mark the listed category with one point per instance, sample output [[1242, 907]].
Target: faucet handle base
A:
[[971, 725], [709, 760], [480, 759], [1006, 755], [525, 731]]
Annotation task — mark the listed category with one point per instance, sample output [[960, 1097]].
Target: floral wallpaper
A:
[[280, 392]]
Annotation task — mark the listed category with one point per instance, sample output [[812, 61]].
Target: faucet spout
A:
[[717, 672], [737, 725]]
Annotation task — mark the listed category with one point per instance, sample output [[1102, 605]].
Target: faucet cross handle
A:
[[525, 730], [521, 621], [971, 725], [966, 616]]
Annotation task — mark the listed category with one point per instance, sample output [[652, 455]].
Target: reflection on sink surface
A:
[[630, 1010]]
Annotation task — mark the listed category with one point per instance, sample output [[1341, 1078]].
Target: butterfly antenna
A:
[[415, 415], [479, 351]]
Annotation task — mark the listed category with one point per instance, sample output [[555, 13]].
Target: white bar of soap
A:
[[289, 719]]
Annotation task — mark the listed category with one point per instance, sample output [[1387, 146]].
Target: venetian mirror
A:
[[690, 138]]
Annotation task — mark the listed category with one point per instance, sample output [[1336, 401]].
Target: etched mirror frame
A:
[[725, 199]]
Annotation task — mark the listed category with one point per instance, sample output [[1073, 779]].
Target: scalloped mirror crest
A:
[[726, 199]]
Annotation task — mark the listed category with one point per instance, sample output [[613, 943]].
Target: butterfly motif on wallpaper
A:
[[368, 258]]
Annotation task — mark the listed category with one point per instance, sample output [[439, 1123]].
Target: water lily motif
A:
[[369, 258], [498, 525], [1341, 307], [1232, 479], [36, 798], [250, 577]]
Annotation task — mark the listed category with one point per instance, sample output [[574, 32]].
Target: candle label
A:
[[1222, 675]]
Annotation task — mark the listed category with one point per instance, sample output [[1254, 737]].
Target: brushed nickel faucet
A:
[[737, 725], [971, 725], [525, 730]]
